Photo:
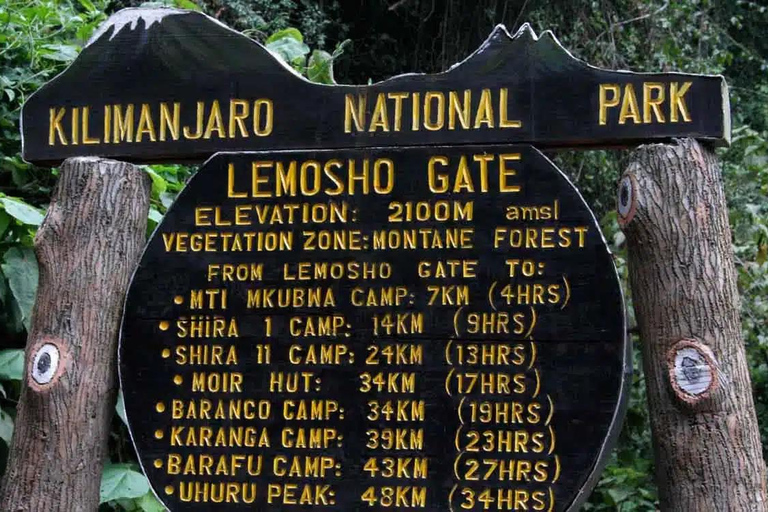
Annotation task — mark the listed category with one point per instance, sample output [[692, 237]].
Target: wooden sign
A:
[[424, 328], [170, 85]]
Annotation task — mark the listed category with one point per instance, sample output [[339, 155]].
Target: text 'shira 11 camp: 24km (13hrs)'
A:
[[377, 297]]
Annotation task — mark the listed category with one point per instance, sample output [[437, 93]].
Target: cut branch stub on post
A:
[[87, 248], [672, 208]]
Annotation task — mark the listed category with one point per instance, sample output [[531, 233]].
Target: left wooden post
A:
[[87, 248]]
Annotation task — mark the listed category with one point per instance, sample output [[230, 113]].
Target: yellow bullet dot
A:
[[160, 407], [178, 380], [158, 463], [178, 299], [158, 434], [166, 353], [164, 325], [168, 489]]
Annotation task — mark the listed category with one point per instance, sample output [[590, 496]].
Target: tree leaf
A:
[[11, 364], [22, 211], [320, 68], [166, 199], [59, 52], [618, 494], [120, 406], [290, 32], [4, 290], [187, 4], [339, 50], [6, 427], [154, 215], [119, 481], [149, 503], [88, 5], [5, 221], [762, 253], [289, 49], [20, 266], [159, 185]]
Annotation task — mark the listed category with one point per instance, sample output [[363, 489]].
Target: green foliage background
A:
[[39, 37]]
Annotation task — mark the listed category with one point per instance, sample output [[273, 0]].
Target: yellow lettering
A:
[[257, 180], [505, 173], [170, 121], [504, 121], [398, 97], [438, 183], [189, 134], [75, 126], [459, 109], [215, 122], [262, 129], [629, 107], [231, 183], [677, 104], [484, 115], [653, 98], [238, 112], [354, 113], [146, 125], [606, 102], [55, 116], [123, 125], [86, 120], [379, 118], [439, 121]]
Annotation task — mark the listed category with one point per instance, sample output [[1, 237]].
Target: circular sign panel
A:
[[435, 328]]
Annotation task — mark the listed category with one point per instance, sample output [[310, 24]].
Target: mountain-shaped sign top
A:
[[173, 85]]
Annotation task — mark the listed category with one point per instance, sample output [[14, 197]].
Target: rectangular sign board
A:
[[180, 86]]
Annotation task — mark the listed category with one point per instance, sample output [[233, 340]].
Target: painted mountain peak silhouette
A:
[[180, 45]]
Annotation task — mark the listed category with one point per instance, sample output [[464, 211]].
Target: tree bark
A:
[[706, 441], [87, 248]]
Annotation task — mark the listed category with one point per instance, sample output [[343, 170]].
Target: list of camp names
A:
[[364, 330]]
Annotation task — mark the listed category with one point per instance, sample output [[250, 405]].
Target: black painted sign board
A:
[[374, 297], [426, 328], [171, 85]]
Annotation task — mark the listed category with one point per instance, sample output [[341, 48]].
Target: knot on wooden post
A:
[[626, 200], [694, 372], [48, 360], [663, 195]]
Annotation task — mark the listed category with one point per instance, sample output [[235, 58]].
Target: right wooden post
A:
[[707, 445]]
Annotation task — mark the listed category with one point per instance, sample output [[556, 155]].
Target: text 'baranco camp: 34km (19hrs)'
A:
[[404, 329]]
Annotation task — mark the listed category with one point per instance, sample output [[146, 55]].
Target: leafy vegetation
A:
[[39, 37]]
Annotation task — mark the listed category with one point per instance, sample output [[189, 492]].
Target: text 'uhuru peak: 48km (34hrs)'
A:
[[369, 297]]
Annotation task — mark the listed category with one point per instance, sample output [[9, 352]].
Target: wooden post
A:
[[707, 445], [87, 248]]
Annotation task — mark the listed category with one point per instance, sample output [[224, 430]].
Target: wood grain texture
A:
[[87, 248], [707, 445]]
